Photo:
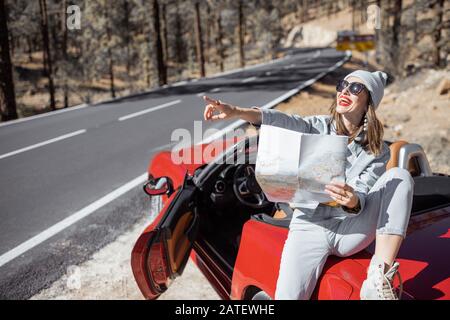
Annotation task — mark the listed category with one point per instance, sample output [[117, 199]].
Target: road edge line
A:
[[42, 143], [70, 220]]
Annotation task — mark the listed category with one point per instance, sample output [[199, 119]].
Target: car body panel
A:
[[139, 254], [163, 164], [258, 260], [162, 251], [425, 269], [424, 257], [424, 263], [212, 271]]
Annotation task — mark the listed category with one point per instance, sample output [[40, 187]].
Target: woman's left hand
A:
[[343, 194]]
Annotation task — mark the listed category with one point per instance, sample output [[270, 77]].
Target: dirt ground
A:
[[108, 276]]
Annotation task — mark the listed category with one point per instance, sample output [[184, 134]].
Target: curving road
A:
[[71, 180]]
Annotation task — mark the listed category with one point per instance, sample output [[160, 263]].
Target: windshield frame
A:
[[239, 153]]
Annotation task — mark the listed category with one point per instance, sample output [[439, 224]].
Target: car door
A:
[[162, 251]]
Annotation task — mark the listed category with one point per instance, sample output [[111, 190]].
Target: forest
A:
[[58, 53]]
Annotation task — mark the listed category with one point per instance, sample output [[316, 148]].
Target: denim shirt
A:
[[362, 168]]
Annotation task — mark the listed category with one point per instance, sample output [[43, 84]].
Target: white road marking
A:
[[53, 230], [137, 114], [164, 147], [43, 143], [248, 79], [201, 94], [70, 220], [215, 90]]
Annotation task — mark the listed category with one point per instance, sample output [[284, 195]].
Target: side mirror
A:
[[155, 187]]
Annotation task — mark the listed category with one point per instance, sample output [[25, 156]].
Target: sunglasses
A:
[[354, 88]]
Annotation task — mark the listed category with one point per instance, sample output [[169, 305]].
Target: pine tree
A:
[[48, 59], [7, 93], [162, 72], [240, 32], [199, 40]]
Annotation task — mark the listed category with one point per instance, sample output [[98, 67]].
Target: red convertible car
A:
[[216, 214]]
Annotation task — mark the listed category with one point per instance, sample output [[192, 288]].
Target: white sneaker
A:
[[379, 285]]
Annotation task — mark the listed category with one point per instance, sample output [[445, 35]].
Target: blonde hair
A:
[[373, 139]]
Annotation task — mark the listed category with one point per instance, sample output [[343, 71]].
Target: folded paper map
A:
[[294, 167]]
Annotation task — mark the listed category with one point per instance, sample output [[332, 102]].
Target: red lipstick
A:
[[344, 101]]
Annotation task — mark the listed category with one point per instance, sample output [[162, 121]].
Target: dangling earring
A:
[[365, 123]]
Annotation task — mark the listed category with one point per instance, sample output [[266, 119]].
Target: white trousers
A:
[[312, 239]]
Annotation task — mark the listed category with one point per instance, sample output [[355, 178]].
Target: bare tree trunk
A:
[[383, 40], [179, 37], [126, 21], [110, 56], [396, 29], [438, 33], [162, 72], [386, 8], [241, 35], [353, 4], [219, 45], [415, 4], [397, 21], [30, 50], [147, 72], [64, 52], [111, 74], [54, 40], [199, 41], [12, 45], [64, 26], [208, 33], [48, 65], [377, 37], [164, 34], [7, 94]]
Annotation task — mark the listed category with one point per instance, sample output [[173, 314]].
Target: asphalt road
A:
[[52, 167]]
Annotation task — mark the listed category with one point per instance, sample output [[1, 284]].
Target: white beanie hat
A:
[[374, 81]]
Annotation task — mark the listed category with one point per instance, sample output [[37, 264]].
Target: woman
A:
[[372, 204]]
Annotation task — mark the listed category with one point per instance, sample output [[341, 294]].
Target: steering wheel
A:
[[247, 189]]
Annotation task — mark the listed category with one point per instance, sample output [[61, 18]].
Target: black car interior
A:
[[230, 199]]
